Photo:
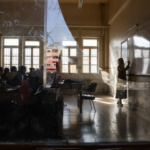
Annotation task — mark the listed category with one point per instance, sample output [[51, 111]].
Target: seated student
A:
[[3, 76], [32, 70], [1, 71], [21, 74], [11, 77]]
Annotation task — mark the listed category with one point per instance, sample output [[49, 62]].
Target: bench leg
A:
[[93, 105], [90, 103]]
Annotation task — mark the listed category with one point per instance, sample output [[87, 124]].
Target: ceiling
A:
[[85, 1]]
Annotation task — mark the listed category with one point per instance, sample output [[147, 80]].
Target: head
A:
[[22, 69], [32, 69], [1, 70], [6, 70], [120, 61], [13, 69]]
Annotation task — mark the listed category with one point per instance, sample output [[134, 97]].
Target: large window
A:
[[90, 47], [32, 52], [11, 52], [69, 57]]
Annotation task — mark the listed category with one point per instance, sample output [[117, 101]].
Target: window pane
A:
[[6, 51], [14, 60], [86, 60], [35, 51], [137, 53], [15, 52], [28, 60], [85, 68], [36, 60], [36, 66], [93, 69], [11, 42], [27, 67], [146, 53], [93, 60], [73, 52], [28, 52], [6, 60], [89, 42], [65, 68], [64, 60], [69, 43], [93, 52], [65, 52], [73, 69], [32, 43], [6, 66], [85, 52]]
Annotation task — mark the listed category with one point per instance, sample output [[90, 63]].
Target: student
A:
[[21, 74], [3, 76], [1, 71]]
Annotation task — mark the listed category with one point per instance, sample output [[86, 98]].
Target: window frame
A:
[[90, 47]]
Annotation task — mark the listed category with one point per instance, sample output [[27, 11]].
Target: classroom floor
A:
[[108, 124]]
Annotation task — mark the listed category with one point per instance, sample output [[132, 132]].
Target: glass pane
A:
[[6, 60], [93, 60], [86, 60], [93, 69], [73, 69], [146, 53], [36, 67], [69, 43], [28, 60], [85, 52], [65, 68], [32, 43], [36, 60], [89, 42], [14, 61], [11, 42], [65, 52], [93, 52], [15, 52], [27, 67], [28, 52], [85, 68], [35, 51], [137, 53], [6, 66], [6, 51], [73, 52], [64, 60]]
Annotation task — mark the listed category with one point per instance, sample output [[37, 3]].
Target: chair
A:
[[90, 89]]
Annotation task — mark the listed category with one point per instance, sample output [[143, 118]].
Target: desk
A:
[[74, 86]]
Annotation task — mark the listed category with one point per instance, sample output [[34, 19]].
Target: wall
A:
[[90, 15], [130, 13]]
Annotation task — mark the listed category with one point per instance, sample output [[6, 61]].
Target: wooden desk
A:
[[74, 86]]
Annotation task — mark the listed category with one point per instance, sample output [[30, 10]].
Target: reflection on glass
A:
[[93, 69], [65, 52], [141, 41], [69, 43], [15, 52], [32, 43], [85, 52], [28, 52], [73, 52], [6, 60], [124, 51], [93, 60], [93, 52], [14, 60], [146, 53], [65, 68], [65, 60], [73, 69], [86, 60], [27, 60], [36, 60], [35, 51], [89, 42], [11, 42]]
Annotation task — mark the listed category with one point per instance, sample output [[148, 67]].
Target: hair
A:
[[1, 68], [21, 68], [32, 69], [120, 60], [6, 70], [13, 69]]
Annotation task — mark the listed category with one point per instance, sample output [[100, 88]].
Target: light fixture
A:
[[80, 4]]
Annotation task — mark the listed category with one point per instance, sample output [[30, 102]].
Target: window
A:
[[11, 52], [48, 51], [48, 58], [48, 64], [55, 57], [54, 64], [55, 50], [32, 52], [69, 52], [90, 47]]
